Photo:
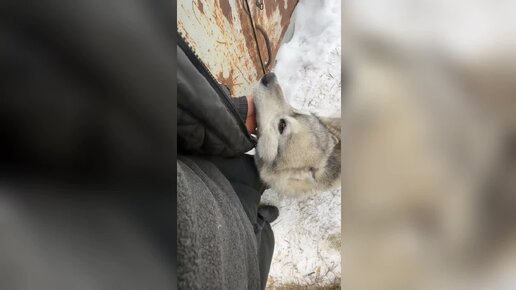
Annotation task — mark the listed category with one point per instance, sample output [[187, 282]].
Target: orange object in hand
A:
[[250, 121]]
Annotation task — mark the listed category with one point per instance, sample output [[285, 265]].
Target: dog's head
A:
[[296, 152]]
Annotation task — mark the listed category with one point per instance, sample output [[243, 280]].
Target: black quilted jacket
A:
[[209, 121]]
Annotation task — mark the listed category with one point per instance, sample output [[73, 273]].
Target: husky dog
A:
[[296, 153]]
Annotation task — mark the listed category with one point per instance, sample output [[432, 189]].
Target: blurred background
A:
[[87, 145], [429, 180]]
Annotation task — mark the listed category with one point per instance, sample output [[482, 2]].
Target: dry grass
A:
[[316, 280], [332, 286]]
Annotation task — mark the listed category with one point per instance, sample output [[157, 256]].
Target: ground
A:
[[307, 231]]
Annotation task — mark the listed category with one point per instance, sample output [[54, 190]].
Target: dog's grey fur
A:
[[304, 158]]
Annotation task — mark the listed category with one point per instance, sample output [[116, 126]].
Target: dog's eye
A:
[[281, 125]]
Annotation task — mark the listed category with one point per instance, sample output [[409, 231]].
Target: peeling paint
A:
[[226, 10], [222, 35], [200, 6]]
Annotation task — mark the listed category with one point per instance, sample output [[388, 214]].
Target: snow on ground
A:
[[307, 231]]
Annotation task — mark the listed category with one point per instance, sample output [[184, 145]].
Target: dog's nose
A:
[[268, 78]]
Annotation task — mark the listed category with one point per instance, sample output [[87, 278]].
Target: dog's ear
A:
[[334, 140], [333, 125]]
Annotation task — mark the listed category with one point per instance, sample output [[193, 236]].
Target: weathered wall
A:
[[221, 33]]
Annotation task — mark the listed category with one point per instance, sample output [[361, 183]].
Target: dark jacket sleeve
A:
[[207, 121], [240, 103]]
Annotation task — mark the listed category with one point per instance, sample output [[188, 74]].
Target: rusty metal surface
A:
[[221, 33], [273, 19]]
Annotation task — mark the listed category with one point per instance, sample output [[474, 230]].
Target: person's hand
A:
[[250, 122]]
